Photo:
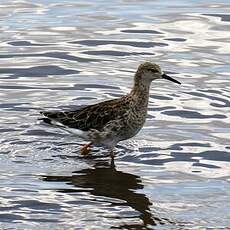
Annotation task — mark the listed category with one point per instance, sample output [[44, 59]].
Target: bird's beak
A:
[[165, 76]]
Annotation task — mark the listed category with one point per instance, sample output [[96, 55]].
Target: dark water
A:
[[63, 54]]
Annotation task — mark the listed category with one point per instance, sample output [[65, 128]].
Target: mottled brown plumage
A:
[[92, 116], [112, 121]]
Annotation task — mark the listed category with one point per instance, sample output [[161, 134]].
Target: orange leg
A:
[[86, 149]]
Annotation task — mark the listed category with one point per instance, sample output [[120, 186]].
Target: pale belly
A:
[[121, 130], [125, 133]]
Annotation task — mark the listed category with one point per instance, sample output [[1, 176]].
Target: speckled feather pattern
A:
[[92, 116], [105, 122], [115, 120]]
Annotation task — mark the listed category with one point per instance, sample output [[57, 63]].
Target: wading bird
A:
[[106, 123]]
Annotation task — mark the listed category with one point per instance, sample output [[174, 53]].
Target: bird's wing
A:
[[90, 117]]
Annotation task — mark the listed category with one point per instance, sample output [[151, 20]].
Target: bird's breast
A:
[[132, 124]]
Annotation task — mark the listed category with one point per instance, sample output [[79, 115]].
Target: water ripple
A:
[[37, 71], [115, 53], [120, 43], [58, 55], [191, 114]]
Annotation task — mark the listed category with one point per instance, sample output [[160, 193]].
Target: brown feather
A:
[[93, 116]]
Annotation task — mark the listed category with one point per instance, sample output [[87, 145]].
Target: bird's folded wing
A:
[[90, 117]]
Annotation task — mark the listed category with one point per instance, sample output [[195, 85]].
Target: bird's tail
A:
[[77, 132]]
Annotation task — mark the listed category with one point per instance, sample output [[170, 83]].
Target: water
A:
[[63, 54]]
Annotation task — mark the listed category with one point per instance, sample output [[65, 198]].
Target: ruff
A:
[[106, 123]]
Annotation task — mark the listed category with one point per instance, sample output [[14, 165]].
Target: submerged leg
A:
[[112, 155], [86, 149]]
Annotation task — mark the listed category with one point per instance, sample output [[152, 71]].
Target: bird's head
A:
[[150, 71]]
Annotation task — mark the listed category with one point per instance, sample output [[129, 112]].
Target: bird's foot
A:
[[85, 149]]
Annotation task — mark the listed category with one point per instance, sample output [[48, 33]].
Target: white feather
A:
[[76, 132]]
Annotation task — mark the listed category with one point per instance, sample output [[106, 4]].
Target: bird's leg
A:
[[86, 149], [112, 155]]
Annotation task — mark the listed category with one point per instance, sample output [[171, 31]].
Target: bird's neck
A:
[[140, 92]]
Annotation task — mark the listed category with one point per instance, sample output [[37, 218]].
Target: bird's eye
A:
[[153, 70]]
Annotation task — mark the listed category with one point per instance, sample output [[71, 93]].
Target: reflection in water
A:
[[108, 182]]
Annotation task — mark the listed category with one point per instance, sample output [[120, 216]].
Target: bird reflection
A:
[[106, 181]]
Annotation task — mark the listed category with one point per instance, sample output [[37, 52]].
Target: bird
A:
[[109, 122]]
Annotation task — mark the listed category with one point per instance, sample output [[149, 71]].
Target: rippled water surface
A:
[[64, 54]]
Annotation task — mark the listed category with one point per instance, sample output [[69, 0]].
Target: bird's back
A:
[[91, 117]]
